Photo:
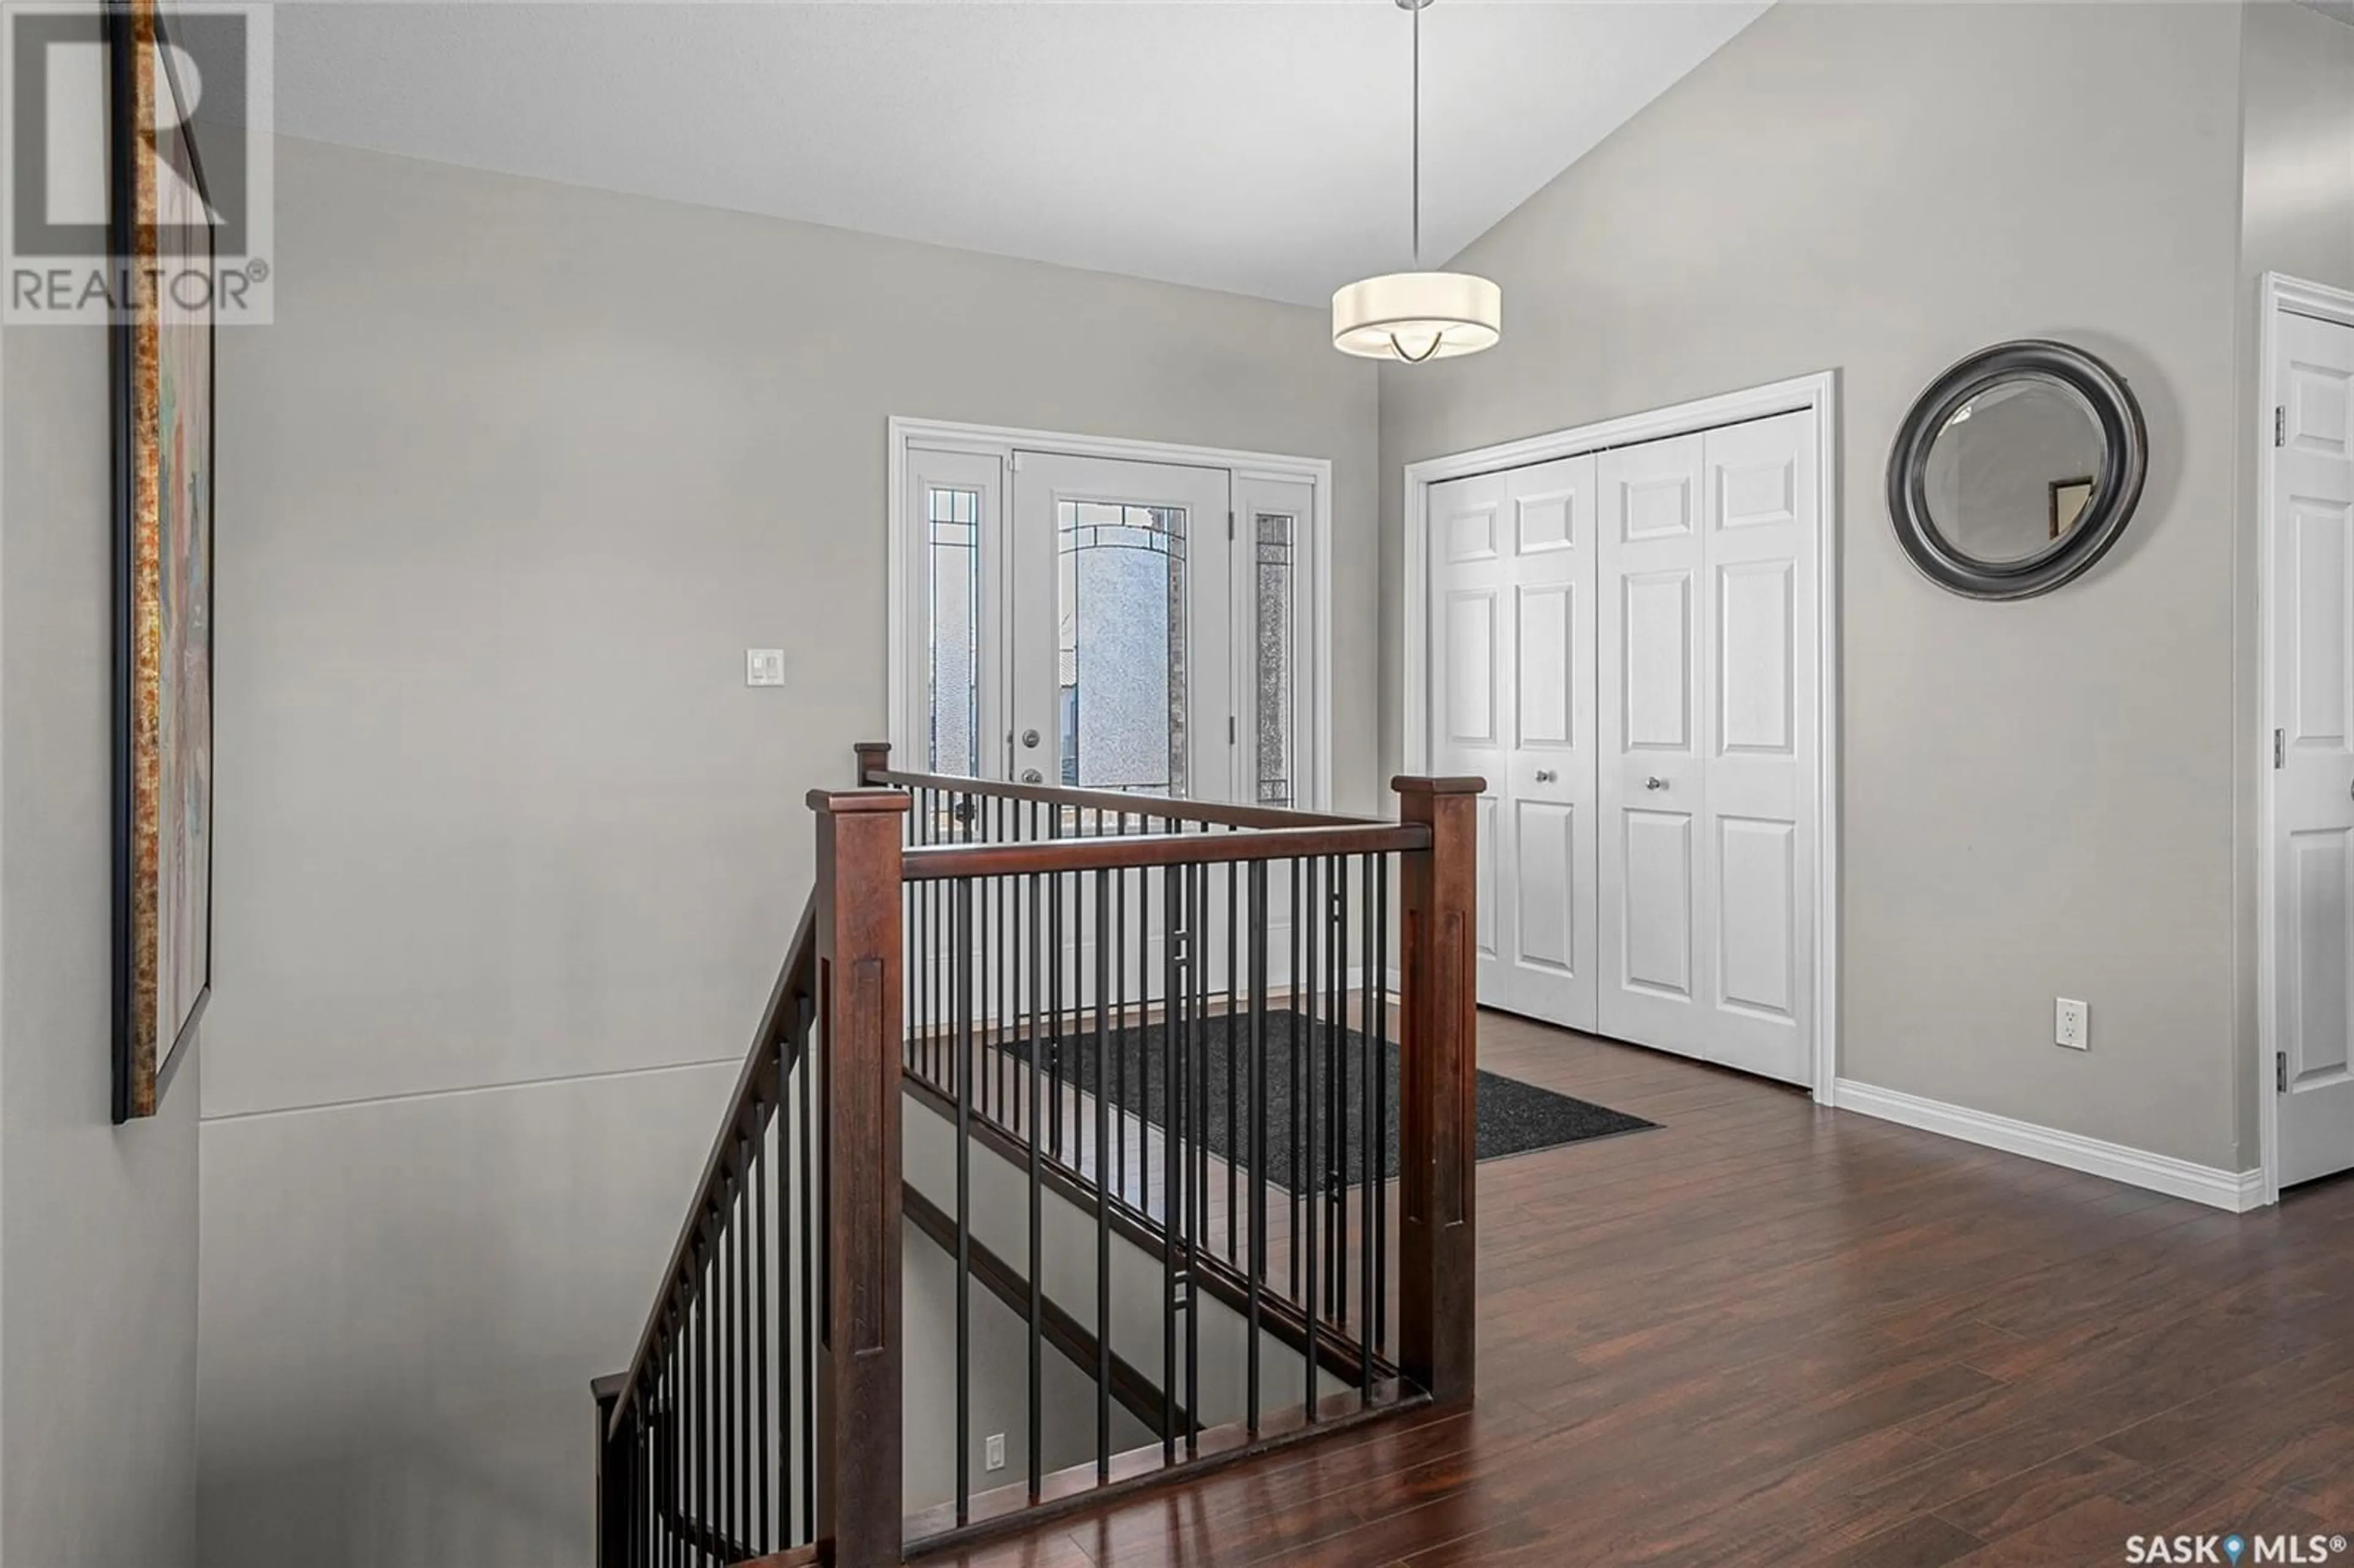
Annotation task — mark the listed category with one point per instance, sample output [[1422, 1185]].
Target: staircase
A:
[[1184, 1088]]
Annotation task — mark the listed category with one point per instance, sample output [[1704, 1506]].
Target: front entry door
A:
[[2312, 617], [1121, 602], [1512, 671]]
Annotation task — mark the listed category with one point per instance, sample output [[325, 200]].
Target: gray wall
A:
[[2296, 72], [518, 474], [2036, 797], [98, 1225]]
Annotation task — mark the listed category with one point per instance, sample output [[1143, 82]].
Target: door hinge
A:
[[2280, 1073], [1230, 729], [2280, 751], [1230, 527], [2280, 424]]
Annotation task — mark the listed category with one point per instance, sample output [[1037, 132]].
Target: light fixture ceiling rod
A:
[[1417, 138]]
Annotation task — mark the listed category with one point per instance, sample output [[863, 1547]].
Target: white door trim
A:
[[1003, 440], [2280, 295], [1818, 393]]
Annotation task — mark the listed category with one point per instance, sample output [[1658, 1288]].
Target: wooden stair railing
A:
[[976, 938]]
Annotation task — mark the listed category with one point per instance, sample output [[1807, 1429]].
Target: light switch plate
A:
[[764, 666], [2072, 1024]]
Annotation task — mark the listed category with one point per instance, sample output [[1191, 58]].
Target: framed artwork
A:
[[2069, 499], [161, 349]]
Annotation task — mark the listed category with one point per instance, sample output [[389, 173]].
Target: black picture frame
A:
[[2125, 463], [145, 1060]]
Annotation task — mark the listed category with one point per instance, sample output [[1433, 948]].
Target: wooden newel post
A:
[[873, 758], [1437, 1095], [859, 1029]]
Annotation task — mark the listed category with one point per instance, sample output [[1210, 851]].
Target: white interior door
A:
[[2312, 627], [1652, 778], [1758, 702], [1513, 559], [1120, 626], [1708, 744]]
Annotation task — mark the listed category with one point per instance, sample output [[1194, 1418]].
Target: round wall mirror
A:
[[2016, 469]]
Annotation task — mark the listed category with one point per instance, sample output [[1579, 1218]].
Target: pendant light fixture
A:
[[1414, 317]]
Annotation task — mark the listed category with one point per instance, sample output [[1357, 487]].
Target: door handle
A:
[[1655, 783], [1029, 739], [1032, 776], [1544, 774]]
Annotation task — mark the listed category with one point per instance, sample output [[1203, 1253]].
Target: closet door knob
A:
[[1655, 783], [1544, 774]]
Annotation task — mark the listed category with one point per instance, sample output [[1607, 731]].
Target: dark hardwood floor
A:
[[1770, 1334]]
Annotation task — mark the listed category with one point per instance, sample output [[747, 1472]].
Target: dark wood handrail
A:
[[749, 1108], [944, 863], [1213, 812]]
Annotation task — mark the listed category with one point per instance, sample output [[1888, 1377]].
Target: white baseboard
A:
[[2236, 1191]]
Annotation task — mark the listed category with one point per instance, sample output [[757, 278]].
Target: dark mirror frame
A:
[[2124, 463]]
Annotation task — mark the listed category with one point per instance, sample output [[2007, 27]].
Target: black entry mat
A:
[[1514, 1117]]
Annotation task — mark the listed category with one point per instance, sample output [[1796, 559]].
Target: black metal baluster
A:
[[678, 1419], [1173, 946], [1104, 885], [1005, 1063], [815, 1289], [1256, 1086], [1053, 1126], [1037, 1298], [1369, 1068], [919, 942], [1377, 1335], [675, 1445], [705, 1492], [763, 1539], [641, 1473], [1336, 1064], [749, 1437], [723, 1402], [1197, 1122], [1296, 985], [1314, 1075], [963, 923], [1120, 940], [664, 1473], [1234, 1050]]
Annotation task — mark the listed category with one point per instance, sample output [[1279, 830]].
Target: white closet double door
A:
[[1623, 644]]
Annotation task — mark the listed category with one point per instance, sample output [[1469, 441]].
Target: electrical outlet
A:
[[992, 1452], [2072, 1024], [764, 666]]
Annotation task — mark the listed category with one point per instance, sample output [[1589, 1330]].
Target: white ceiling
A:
[[1261, 148]]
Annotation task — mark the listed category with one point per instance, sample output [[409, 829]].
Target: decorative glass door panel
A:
[[1121, 654], [1121, 626]]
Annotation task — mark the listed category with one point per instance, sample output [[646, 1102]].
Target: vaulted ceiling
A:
[[1261, 148]]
